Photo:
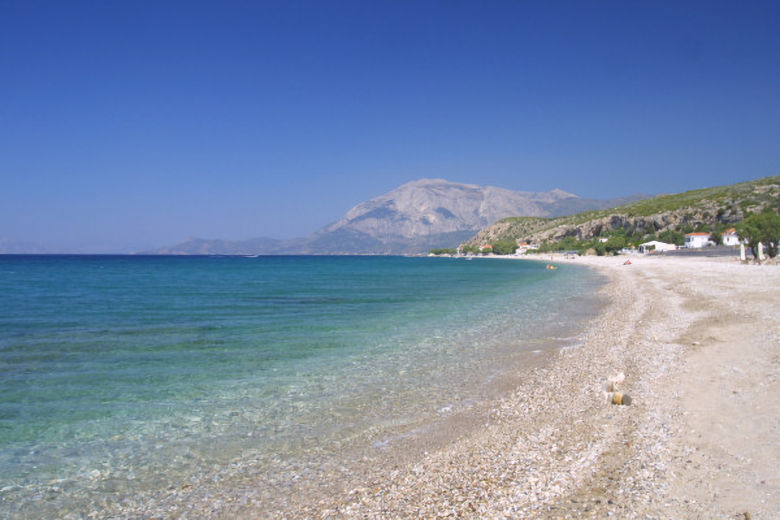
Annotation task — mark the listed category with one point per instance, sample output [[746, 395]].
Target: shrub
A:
[[761, 227]]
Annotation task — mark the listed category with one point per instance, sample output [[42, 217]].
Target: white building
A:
[[655, 245], [730, 237], [697, 240], [524, 247]]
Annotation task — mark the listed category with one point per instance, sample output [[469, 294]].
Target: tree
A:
[[716, 237], [615, 244], [568, 243], [546, 247], [636, 237], [761, 227], [443, 251], [672, 237], [504, 247]]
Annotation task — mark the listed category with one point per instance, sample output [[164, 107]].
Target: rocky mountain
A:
[[427, 213], [432, 206], [412, 218], [707, 208]]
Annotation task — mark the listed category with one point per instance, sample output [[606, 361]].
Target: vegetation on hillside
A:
[[665, 218], [761, 227], [443, 251]]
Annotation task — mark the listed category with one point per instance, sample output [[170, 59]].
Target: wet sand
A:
[[698, 344]]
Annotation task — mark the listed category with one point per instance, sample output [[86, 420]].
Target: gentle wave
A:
[[130, 374]]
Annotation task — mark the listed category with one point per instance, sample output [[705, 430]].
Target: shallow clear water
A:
[[129, 374]]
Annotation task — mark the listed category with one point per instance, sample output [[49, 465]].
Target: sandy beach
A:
[[694, 342]]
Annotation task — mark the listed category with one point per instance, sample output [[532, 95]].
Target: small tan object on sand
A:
[[621, 398]]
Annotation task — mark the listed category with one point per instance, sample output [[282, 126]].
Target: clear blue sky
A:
[[127, 125]]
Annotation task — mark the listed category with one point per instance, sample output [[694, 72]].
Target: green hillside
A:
[[709, 209]]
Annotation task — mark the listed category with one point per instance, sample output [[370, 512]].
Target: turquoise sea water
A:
[[122, 376]]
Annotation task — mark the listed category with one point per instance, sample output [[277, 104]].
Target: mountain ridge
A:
[[412, 218]]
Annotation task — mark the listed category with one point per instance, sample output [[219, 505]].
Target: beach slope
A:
[[694, 342]]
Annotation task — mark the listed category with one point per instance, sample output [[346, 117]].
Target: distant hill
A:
[[707, 208], [206, 246], [12, 247], [412, 218]]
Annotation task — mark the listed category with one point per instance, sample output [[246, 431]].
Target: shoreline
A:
[[698, 343], [700, 359], [235, 476], [315, 491]]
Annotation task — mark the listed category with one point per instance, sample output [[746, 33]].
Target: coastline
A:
[[216, 456], [697, 340]]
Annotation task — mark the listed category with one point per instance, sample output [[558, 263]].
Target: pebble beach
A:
[[689, 346], [694, 342]]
